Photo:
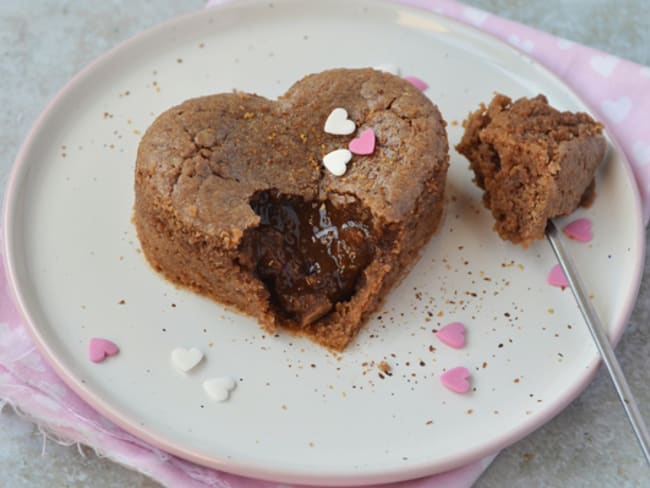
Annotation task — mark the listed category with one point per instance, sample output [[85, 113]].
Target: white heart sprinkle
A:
[[617, 110], [641, 152], [337, 123], [336, 161], [523, 44], [475, 16], [186, 359], [388, 68], [219, 389], [603, 65]]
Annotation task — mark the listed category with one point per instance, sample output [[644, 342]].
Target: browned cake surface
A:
[[232, 200], [534, 162]]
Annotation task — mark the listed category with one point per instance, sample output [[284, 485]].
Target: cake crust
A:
[[533, 162], [202, 163]]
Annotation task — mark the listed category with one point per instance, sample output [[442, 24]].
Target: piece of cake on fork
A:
[[533, 162]]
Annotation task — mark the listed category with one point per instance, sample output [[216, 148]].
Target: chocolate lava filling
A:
[[309, 255]]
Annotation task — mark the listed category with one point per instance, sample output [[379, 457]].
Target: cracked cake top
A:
[[208, 173]]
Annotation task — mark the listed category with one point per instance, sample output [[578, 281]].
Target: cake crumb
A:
[[384, 367]]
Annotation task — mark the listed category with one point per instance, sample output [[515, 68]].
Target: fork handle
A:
[[601, 340]]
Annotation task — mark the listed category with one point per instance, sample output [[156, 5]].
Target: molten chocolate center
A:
[[309, 254]]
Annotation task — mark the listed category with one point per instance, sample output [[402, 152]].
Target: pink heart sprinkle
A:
[[364, 144], [556, 277], [100, 349], [452, 334], [456, 379], [417, 82], [580, 230]]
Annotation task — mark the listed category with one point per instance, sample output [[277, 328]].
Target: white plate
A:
[[299, 413]]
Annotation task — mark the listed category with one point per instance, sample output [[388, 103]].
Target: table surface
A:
[[44, 43]]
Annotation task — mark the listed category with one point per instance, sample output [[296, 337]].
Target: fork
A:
[[600, 338]]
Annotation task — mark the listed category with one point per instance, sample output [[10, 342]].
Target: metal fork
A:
[[600, 338]]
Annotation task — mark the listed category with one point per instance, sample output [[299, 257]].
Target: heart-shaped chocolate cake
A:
[[259, 204]]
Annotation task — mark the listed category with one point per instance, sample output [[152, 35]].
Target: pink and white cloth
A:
[[617, 90]]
